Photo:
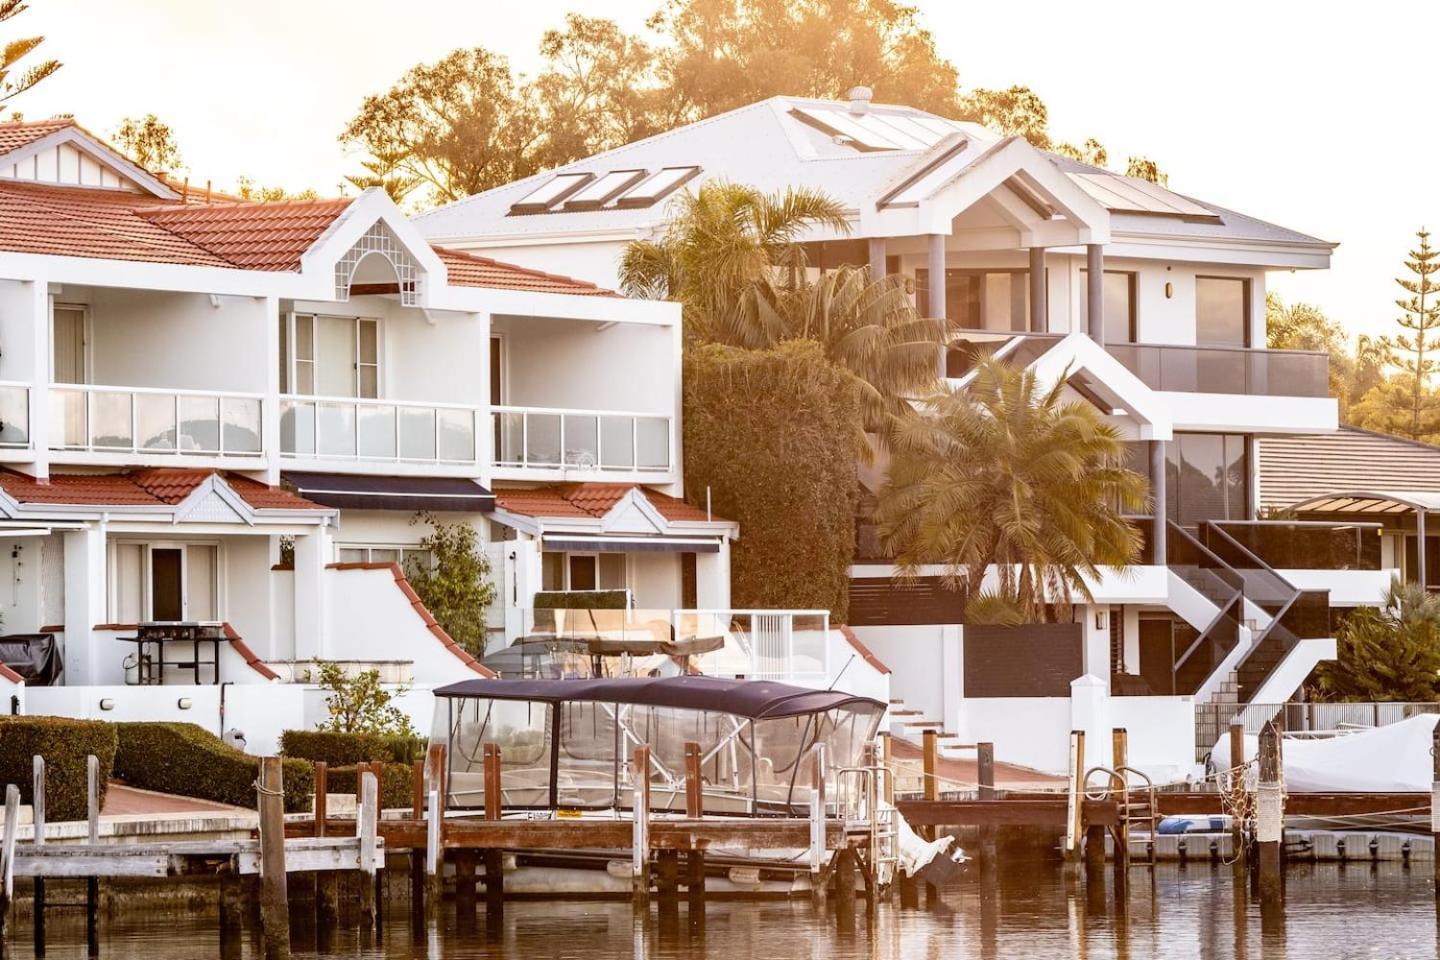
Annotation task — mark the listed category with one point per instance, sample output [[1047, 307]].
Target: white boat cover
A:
[[1390, 759]]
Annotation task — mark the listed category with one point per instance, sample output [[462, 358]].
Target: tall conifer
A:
[[1414, 351]]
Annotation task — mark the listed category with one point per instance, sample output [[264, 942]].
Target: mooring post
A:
[[845, 888], [818, 839], [232, 904], [695, 856], [274, 902], [930, 786], [7, 854], [1435, 811], [494, 856], [327, 890], [985, 782], [640, 832], [367, 811], [417, 854], [92, 836], [1270, 816], [1236, 786], [435, 829], [37, 817], [1075, 808]]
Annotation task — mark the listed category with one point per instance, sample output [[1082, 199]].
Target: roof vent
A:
[[860, 98]]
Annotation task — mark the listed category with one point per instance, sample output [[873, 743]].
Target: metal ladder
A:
[[1131, 807], [860, 798]]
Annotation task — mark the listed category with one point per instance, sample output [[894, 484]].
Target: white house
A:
[[1149, 303], [219, 422]]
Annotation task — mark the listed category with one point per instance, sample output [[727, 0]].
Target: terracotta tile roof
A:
[[19, 133], [79, 222], [160, 486], [590, 500], [1350, 460], [468, 270], [253, 236]]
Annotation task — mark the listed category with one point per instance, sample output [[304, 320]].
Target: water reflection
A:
[[1016, 910]]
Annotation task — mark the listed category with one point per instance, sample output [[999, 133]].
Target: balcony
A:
[[127, 422], [14, 416], [1234, 370], [345, 429], [541, 442]]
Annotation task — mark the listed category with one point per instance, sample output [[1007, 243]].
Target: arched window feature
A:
[[381, 240]]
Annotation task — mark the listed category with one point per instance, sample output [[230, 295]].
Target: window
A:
[[550, 192], [1222, 311], [68, 364], [409, 558], [1207, 477], [583, 571], [659, 185], [164, 582], [330, 356], [1119, 305], [980, 299], [599, 192]]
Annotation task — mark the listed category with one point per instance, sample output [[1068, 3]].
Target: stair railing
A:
[[1216, 580]]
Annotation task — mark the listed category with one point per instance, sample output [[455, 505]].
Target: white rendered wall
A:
[[246, 596], [552, 363], [21, 568], [1348, 588], [655, 580], [370, 618], [21, 324], [597, 263]]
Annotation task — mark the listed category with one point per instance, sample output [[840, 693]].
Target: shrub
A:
[[775, 436], [581, 600], [334, 747], [65, 744], [185, 759], [396, 784], [361, 704], [456, 588]]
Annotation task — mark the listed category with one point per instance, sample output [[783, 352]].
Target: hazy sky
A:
[[1316, 115]]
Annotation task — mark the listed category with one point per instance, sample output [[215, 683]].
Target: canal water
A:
[[1029, 911]]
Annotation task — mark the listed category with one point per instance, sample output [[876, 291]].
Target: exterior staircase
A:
[[910, 725]]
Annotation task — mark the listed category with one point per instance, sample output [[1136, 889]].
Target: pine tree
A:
[[1421, 316]]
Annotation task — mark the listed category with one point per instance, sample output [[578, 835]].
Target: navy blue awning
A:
[[357, 492]]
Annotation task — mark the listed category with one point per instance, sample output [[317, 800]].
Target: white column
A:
[[1095, 290], [1039, 310], [312, 552], [712, 579], [876, 247], [1096, 651], [270, 405], [39, 376], [937, 287], [85, 589]]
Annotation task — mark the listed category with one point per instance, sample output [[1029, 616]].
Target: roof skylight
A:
[[551, 192], [659, 185], [1132, 195], [604, 189], [874, 130]]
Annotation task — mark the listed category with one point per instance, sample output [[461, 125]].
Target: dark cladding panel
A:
[[881, 602], [1034, 660]]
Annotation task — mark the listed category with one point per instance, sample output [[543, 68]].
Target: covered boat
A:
[[566, 745]]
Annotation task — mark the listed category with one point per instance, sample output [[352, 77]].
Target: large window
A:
[[1207, 477], [330, 356], [582, 571], [1222, 311], [164, 582], [1120, 316], [980, 299]]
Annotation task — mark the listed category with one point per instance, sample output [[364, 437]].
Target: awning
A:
[[1371, 502], [352, 492], [582, 544]]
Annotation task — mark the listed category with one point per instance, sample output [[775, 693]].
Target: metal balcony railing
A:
[[144, 420], [347, 428], [546, 438]]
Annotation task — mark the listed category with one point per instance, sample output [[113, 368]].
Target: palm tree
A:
[[1008, 478], [734, 258]]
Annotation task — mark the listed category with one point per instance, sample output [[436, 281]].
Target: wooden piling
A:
[[37, 808], [1269, 817], [1236, 776], [667, 883], [844, 868], [640, 834], [274, 906], [494, 859], [985, 782], [464, 860], [417, 855], [930, 786], [817, 826], [232, 905], [1074, 818], [92, 834], [327, 890], [7, 854], [435, 828], [367, 811], [695, 856]]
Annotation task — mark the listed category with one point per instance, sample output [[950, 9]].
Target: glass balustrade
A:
[[105, 419], [1187, 369], [549, 439], [331, 428]]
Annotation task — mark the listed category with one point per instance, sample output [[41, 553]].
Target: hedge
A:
[[187, 760], [346, 749], [775, 435], [580, 600], [65, 744], [396, 784]]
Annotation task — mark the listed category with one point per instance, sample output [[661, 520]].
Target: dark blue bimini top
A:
[[756, 699]]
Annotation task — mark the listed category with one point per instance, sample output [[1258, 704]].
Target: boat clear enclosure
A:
[[569, 744]]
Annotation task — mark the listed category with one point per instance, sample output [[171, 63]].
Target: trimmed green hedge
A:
[[776, 437], [396, 784], [346, 749], [580, 600], [188, 760], [65, 744]]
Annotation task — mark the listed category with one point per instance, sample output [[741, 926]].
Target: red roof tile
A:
[[20, 133], [161, 486], [253, 236], [590, 500], [468, 270]]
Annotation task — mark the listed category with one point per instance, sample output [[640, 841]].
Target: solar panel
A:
[[551, 192], [1132, 195], [882, 125], [659, 184], [600, 191], [909, 126], [843, 124]]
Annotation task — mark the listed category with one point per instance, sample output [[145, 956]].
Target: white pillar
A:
[[876, 248], [269, 308], [1095, 290], [312, 552], [1039, 311], [1090, 711], [39, 378], [1096, 651], [85, 590], [936, 285], [712, 579]]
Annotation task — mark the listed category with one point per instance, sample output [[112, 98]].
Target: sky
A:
[[1314, 115]]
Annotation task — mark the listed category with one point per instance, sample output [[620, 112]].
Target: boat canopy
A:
[[756, 699], [571, 744]]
